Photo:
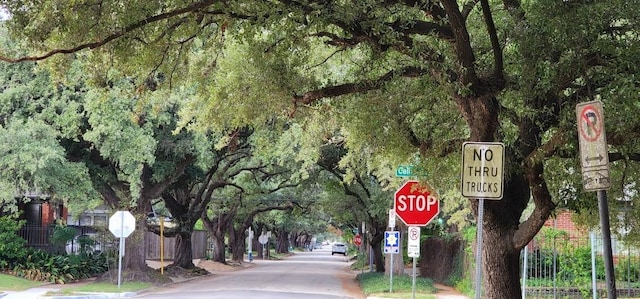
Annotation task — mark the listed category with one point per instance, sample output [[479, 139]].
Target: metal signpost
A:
[[263, 239], [413, 251], [482, 177], [594, 159], [388, 241], [416, 204], [121, 225], [391, 246], [249, 241]]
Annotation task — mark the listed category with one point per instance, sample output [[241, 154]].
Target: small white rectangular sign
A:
[[413, 241], [392, 218]]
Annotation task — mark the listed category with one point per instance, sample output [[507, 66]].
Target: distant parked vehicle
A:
[[339, 248]]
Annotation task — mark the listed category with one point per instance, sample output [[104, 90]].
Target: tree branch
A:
[[115, 35], [495, 44], [349, 88]]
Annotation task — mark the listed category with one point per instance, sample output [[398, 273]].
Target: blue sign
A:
[[391, 242]]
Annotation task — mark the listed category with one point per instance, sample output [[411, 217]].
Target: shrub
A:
[[628, 270], [42, 266], [35, 264], [11, 245]]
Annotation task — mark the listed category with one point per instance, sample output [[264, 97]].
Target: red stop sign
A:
[[415, 204], [357, 239]]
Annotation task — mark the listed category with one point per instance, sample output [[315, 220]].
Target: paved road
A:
[[307, 275]]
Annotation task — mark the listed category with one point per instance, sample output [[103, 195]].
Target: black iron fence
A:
[[555, 265], [37, 236]]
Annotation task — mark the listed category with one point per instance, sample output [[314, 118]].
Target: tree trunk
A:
[[501, 266], [134, 262], [218, 253], [237, 245], [294, 239], [283, 241], [183, 255], [504, 236], [217, 228], [376, 251]]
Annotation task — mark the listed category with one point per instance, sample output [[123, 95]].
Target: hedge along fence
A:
[[556, 265]]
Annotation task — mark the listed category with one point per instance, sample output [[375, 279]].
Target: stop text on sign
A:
[[482, 170], [417, 203]]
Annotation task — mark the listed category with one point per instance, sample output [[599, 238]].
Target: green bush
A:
[[35, 264], [42, 266], [628, 270], [11, 245]]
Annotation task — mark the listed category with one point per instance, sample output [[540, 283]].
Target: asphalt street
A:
[[310, 275]]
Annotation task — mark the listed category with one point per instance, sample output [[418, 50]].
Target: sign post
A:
[[416, 204], [391, 247], [482, 177], [121, 225], [249, 243], [594, 159], [264, 239], [413, 250], [391, 244]]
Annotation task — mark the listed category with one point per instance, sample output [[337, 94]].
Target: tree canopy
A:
[[400, 81]]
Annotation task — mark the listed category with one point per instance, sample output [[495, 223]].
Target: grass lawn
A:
[[377, 285], [107, 287], [12, 283], [103, 287]]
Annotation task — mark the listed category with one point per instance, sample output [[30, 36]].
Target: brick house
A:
[[41, 215], [563, 222], [577, 235]]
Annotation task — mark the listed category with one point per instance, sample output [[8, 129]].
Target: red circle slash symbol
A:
[[590, 124]]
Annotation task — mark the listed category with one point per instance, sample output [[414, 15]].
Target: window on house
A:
[[86, 220], [100, 220]]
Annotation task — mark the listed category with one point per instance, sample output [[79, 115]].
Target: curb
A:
[[96, 295]]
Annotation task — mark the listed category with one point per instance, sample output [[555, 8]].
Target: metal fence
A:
[[37, 236], [556, 265]]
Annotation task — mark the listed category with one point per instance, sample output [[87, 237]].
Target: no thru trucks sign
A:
[[482, 170]]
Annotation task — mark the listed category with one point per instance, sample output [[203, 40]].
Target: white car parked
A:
[[338, 248]]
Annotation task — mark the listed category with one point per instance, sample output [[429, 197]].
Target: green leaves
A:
[[31, 160]]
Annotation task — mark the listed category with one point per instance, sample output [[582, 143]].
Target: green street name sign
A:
[[404, 171]]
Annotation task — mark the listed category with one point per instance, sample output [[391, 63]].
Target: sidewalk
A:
[[40, 292], [446, 292]]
